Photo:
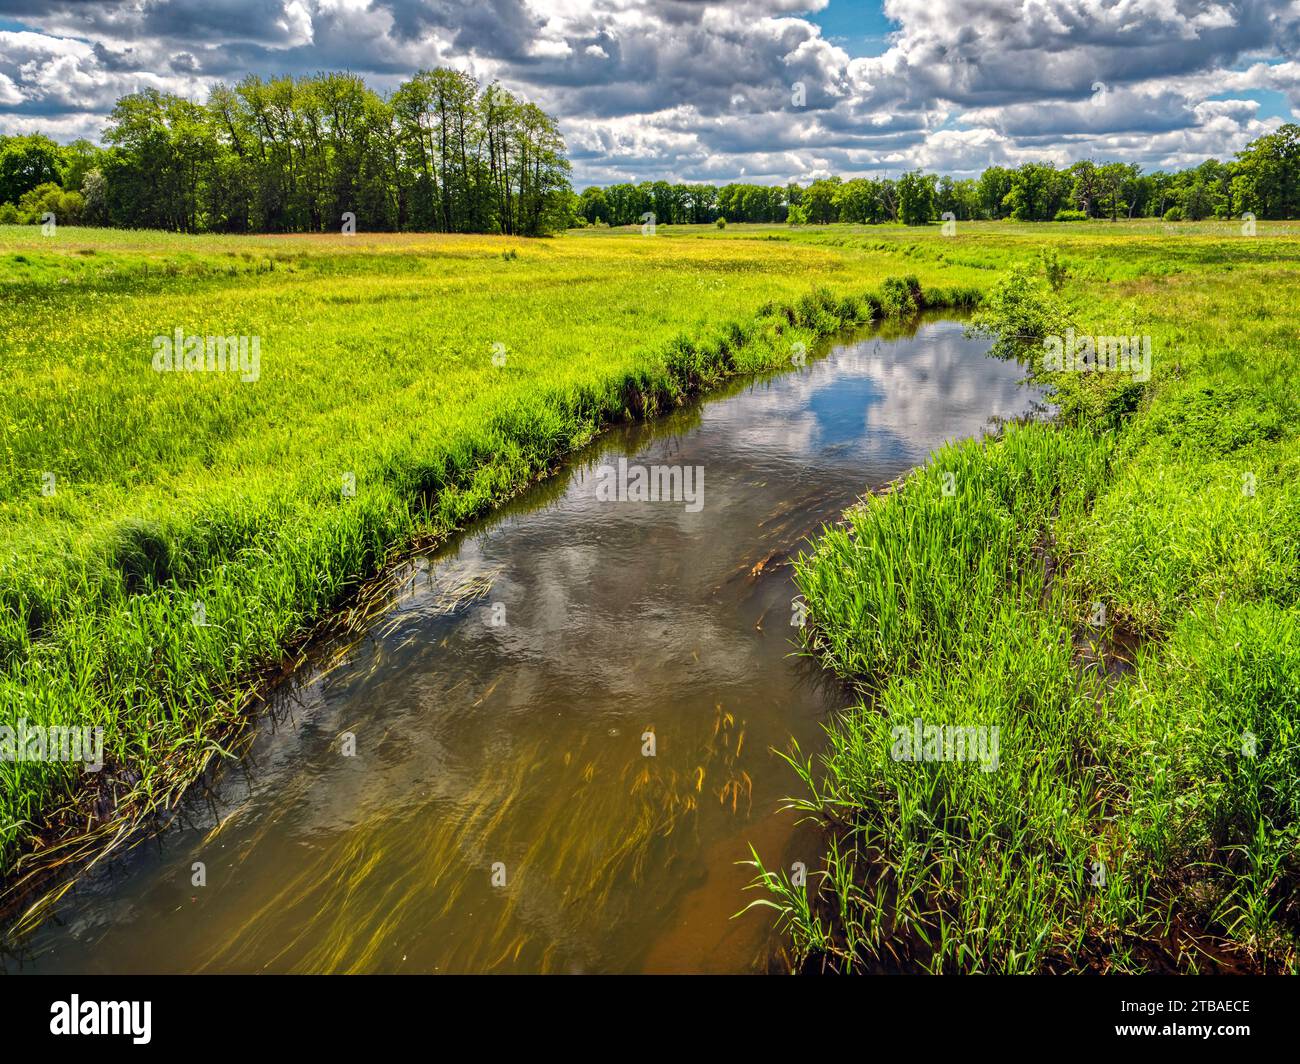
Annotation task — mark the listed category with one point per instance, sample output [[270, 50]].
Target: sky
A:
[[737, 90]]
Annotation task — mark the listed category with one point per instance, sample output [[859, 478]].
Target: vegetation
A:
[[1264, 180], [312, 154], [441, 154], [1141, 816], [1124, 827]]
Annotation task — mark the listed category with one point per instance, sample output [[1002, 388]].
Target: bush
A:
[[1174, 214], [1020, 309], [721, 223], [67, 207], [9, 214], [900, 297], [1053, 269], [1071, 216]]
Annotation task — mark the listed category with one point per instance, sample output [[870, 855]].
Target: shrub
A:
[[1071, 216], [900, 297], [1018, 310], [45, 199], [1053, 269], [721, 223], [1174, 214]]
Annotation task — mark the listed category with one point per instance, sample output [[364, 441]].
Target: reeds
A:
[[1146, 820]]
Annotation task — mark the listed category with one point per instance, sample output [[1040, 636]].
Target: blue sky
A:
[[858, 26], [721, 90]]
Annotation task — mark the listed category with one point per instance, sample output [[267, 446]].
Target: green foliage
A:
[[1053, 268], [377, 359], [900, 297], [916, 198], [1036, 193], [298, 154], [970, 606], [1266, 179], [67, 207], [1020, 309], [25, 163]]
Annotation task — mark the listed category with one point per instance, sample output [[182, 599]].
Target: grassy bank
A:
[[167, 536], [196, 527], [1139, 818]]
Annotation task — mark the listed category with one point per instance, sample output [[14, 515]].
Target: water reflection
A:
[[500, 812]]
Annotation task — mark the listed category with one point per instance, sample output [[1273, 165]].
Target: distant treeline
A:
[[1264, 180], [294, 155], [442, 154]]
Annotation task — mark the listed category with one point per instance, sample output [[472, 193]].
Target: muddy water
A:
[[466, 787]]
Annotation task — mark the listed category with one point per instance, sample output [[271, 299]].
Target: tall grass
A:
[[1140, 818], [196, 495]]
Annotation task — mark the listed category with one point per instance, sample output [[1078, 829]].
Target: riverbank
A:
[[197, 526], [200, 527], [1110, 603]]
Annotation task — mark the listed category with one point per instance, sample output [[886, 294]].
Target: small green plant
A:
[[1020, 310], [721, 223], [1053, 269], [900, 297]]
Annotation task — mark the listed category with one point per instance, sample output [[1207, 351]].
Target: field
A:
[[171, 539]]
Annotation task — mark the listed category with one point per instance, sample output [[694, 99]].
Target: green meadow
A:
[[171, 540]]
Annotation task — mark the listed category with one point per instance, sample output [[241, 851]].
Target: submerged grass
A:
[[170, 537], [1119, 830], [1145, 820]]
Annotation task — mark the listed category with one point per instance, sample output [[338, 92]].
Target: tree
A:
[[916, 193], [992, 189], [818, 201], [1116, 181], [1086, 191], [300, 154], [25, 163], [1267, 181], [593, 206], [1037, 191]]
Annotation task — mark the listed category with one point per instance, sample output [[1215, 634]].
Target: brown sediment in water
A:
[[522, 746]]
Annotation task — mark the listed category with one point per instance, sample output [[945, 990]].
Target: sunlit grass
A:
[[1166, 510], [173, 490]]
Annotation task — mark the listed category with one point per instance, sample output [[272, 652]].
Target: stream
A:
[[553, 749]]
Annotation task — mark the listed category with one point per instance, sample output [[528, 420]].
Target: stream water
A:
[[553, 749]]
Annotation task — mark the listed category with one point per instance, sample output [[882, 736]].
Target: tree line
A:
[[295, 155], [443, 154], [1263, 180]]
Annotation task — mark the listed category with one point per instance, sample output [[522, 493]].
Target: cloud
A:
[[693, 90]]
